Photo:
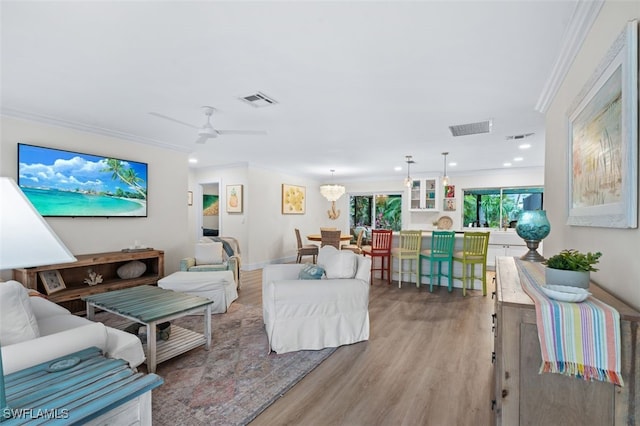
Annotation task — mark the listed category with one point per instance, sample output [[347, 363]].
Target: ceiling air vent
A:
[[258, 100], [519, 137], [471, 128]]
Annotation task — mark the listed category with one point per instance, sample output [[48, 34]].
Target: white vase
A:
[[570, 278]]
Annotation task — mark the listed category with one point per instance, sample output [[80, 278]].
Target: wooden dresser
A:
[[524, 397]]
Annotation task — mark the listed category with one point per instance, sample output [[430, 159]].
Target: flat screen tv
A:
[[73, 184]]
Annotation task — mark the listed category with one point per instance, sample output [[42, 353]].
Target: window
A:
[[496, 207], [376, 211]]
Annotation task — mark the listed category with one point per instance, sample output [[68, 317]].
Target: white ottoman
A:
[[218, 286]]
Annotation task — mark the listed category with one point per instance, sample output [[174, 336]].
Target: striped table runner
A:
[[576, 339]]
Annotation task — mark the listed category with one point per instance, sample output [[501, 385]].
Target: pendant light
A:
[[408, 180], [445, 178]]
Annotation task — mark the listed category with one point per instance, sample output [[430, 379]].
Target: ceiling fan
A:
[[206, 131]]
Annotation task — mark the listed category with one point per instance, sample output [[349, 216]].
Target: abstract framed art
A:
[[603, 141], [234, 198], [293, 199]]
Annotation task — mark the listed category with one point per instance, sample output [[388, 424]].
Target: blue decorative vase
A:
[[533, 226]]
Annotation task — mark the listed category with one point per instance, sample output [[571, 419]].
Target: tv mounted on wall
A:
[[72, 184]]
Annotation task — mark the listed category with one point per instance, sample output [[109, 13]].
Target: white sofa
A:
[[34, 330], [315, 314]]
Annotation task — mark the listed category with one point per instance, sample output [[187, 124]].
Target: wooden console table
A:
[[522, 396], [106, 264]]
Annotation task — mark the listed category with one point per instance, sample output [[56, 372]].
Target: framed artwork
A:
[[234, 198], [52, 281], [210, 205], [603, 141], [293, 199], [189, 198], [449, 191], [449, 204]]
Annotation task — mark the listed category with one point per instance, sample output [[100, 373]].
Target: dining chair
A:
[[357, 247], [305, 250], [330, 238], [474, 252], [442, 243], [409, 245], [380, 248]]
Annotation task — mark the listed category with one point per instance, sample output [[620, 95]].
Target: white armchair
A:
[[315, 314], [215, 254]]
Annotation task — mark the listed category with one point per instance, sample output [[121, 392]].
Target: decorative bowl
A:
[[565, 293]]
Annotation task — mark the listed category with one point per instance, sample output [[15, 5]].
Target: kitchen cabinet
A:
[[424, 195]]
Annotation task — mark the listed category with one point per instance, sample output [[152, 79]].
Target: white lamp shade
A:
[[25, 237], [332, 192]]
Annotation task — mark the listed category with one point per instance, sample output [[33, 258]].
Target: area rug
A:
[[233, 382]]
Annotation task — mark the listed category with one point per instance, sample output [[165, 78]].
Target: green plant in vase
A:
[[571, 267]]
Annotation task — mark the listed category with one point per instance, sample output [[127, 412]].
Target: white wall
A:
[[619, 269], [264, 233], [165, 228]]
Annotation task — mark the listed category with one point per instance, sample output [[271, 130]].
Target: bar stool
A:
[[380, 247], [474, 251], [442, 243], [408, 249]]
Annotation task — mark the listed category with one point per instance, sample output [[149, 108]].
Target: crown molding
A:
[[584, 15], [44, 119]]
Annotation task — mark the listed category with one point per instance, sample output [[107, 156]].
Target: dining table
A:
[[318, 237]]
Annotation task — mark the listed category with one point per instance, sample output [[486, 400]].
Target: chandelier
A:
[[332, 192]]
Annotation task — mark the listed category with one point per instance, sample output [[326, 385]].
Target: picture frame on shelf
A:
[[52, 281], [294, 199], [603, 141], [234, 198]]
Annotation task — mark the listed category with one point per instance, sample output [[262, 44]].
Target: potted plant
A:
[[571, 267]]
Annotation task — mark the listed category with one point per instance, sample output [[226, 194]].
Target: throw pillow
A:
[[311, 272], [17, 321], [325, 253], [208, 253], [342, 264]]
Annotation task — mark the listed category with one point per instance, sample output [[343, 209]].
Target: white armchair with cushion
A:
[[34, 330], [215, 254], [311, 314]]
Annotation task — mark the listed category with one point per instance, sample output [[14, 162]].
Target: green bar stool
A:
[[408, 249], [442, 243], [474, 252]]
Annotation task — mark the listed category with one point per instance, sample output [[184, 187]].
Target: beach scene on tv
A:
[[65, 183]]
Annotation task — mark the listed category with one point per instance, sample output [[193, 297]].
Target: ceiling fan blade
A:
[[241, 132], [202, 139], [173, 119]]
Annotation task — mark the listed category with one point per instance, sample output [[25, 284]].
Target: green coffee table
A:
[[151, 305]]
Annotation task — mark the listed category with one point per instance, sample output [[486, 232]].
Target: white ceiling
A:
[[359, 85]]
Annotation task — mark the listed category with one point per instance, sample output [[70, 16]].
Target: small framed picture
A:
[[234, 199], [449, 204], [52, 281]]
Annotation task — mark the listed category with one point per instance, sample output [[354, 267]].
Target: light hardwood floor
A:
[[427, 362]]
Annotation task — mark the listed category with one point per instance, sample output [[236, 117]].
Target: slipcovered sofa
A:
[[34, 330], [311, 314], [214, 254]]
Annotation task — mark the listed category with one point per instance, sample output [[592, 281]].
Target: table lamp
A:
[[533, 226], [26, 240]]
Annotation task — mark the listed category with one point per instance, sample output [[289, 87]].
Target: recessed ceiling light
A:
[[453, 164], [397, 168], [518, 159], [193, 160], [524, 146], [507, 164]]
